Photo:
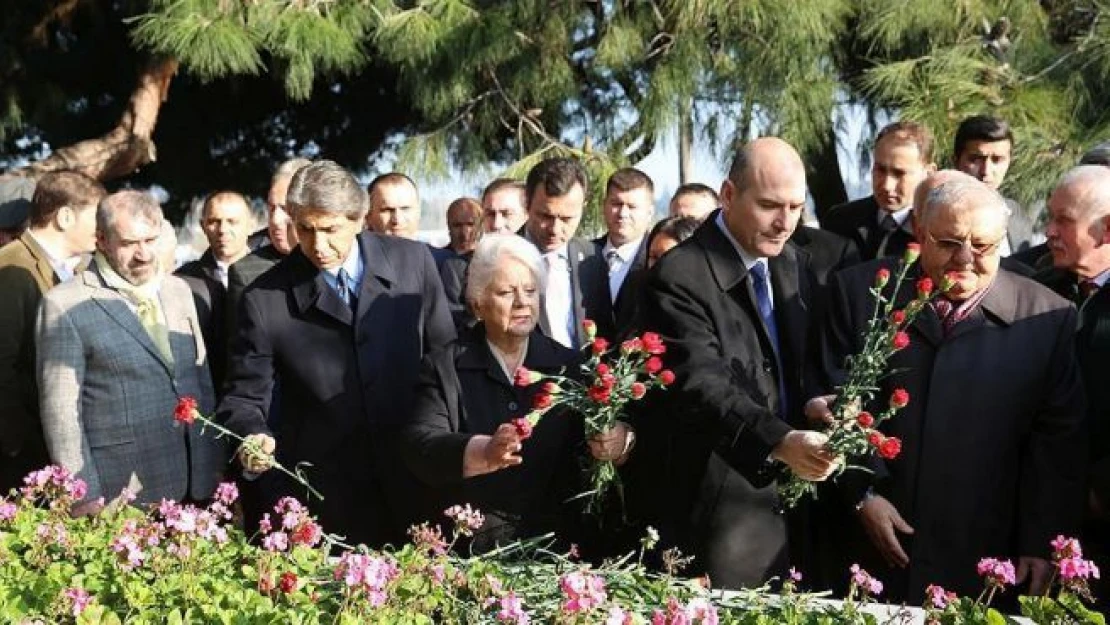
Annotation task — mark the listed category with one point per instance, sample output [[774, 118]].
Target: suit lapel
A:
[[729, 272], [311, 291], [575, 257], [791, 307], [184, 333], [44, 271], [639, 261], [378, 277], [998, 307], [117, 308]]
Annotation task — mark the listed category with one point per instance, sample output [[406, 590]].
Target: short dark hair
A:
[[221, 196], [913, 133], [678, 227], [62, 188], [696, 188], [504, 183], [980, 128], [393, 177], [557, 175], [627, 179], [1098, 155]]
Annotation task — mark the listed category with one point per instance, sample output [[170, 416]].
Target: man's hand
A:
[[1038, 571], [87, 508], [881, 519], [804, 452], [256, 454], [818, 410], [610, 444]]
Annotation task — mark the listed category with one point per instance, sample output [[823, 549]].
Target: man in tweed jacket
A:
[[117, 347]]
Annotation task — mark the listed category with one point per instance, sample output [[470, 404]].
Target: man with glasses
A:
[[992, 439]]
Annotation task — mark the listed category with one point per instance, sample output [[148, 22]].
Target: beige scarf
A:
[[146, 301]]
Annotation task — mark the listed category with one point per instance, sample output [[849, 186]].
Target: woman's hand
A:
[[486, 454], [612, 445]]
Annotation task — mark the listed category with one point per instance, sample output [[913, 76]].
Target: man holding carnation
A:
[[991, 461]]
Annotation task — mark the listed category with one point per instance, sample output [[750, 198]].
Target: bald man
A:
[[732, 304], [993, 382]]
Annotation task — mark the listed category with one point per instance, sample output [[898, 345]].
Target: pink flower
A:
[[277, 541], [429, 538], [288, 582], [653, 365], [617, 616], [1072, 569], [632, 345], [996, 572], [862, 579], [512, 610], [1063, 547], [8, 510], [78, 599], [901, 340], [794, 575], [583, 591], [590, 328], [666, 377], [913, 250], [369, 574], [653, 343], [938, 597], [638, 390], [227, 493], [882, 276], [467, 520], [524, 377]]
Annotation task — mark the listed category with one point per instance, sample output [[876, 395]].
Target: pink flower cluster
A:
[[1073, 570], [862, 580], [8, 510], [369, 574], [132, 542], [938, 597], [54, 484], [583, 591], [297, 527], [77, 599], [184, 522], [428, 538], [512, 610], [53, 533], [699, 611], [997, 573], [467, 520]]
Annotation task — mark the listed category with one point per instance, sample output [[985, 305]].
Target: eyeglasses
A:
[[952, 246]]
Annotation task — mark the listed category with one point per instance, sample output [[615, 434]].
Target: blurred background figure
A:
[[695, 200]]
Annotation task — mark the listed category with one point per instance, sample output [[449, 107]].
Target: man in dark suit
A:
[[732, 305], [343, 323], [828, 252], [880, 224], [1079, 239], [992, 381], [62, 228], [224, 218], [556, 192], [628, 209]]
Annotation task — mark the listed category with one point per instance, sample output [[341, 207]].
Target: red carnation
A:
[[653, 343], [899, 398], [653, 365], [523, 427], [898, 317], [875, 439], [524, 377], [541, 401], [590, 328], [901, 340], [890, 448], [632, 345], [865, 419], [608, 380], [638, 390], [666, 376], [882, 276], [925, 287], [599, 394], [186, 410], [913, 250], [288, 582], [602, 369], [550, 388], [599, 345]]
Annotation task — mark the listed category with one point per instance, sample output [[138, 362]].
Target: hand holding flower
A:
[[804, 452], [486, 454], [256, 454]]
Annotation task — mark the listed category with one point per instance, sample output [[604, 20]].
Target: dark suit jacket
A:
[[453, 274], [241, 274], [1001, 391], [712, 432], [828, 252], [858, 221], [210, 297], [25, 274], [616, 318], [463, 392], [258, 239], [586, 285], [346, 380]]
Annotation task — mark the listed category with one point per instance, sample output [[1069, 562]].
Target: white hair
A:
[[327, 186], [961, 193], [493, 250], [1089, 185]]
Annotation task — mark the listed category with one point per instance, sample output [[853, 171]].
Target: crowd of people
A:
[[383, 368]]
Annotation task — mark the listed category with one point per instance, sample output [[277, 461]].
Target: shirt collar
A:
[[560, 252], [901, 216], [748, 260], [353, 265], [64, 267], [1101, 278], [626, 252]]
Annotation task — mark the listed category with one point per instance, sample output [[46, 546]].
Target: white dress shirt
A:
[[619, 260]]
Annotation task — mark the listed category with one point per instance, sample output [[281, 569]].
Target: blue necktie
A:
[[346, 289], [767, 312]]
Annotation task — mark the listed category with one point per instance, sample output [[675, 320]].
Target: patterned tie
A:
[[347, 289], [615, 262], [767, 312], [147, 309]]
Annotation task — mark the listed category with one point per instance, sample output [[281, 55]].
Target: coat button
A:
[[767, 366], [512, 405]]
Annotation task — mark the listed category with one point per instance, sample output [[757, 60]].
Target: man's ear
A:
[[1105, 240], [64, 218], [727, 191]]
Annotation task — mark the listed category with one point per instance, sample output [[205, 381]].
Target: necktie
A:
[[767, 312], [889, 225], [147, 310], [615, 263], [347, 289], [557, 299]]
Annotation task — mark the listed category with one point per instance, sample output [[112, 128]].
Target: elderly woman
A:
[[460, 441]]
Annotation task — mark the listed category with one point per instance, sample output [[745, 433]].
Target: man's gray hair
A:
[[1090, 186], [327, 186], [963, 192], [495, 249], [286, 170], [139, 204]]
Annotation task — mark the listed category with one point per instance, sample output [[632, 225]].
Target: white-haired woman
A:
[[461, 443]]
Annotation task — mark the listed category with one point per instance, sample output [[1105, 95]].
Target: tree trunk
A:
[[823, 175], [686, 143], [126, 147]]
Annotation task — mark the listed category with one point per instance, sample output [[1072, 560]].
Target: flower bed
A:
[[183, 564]]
